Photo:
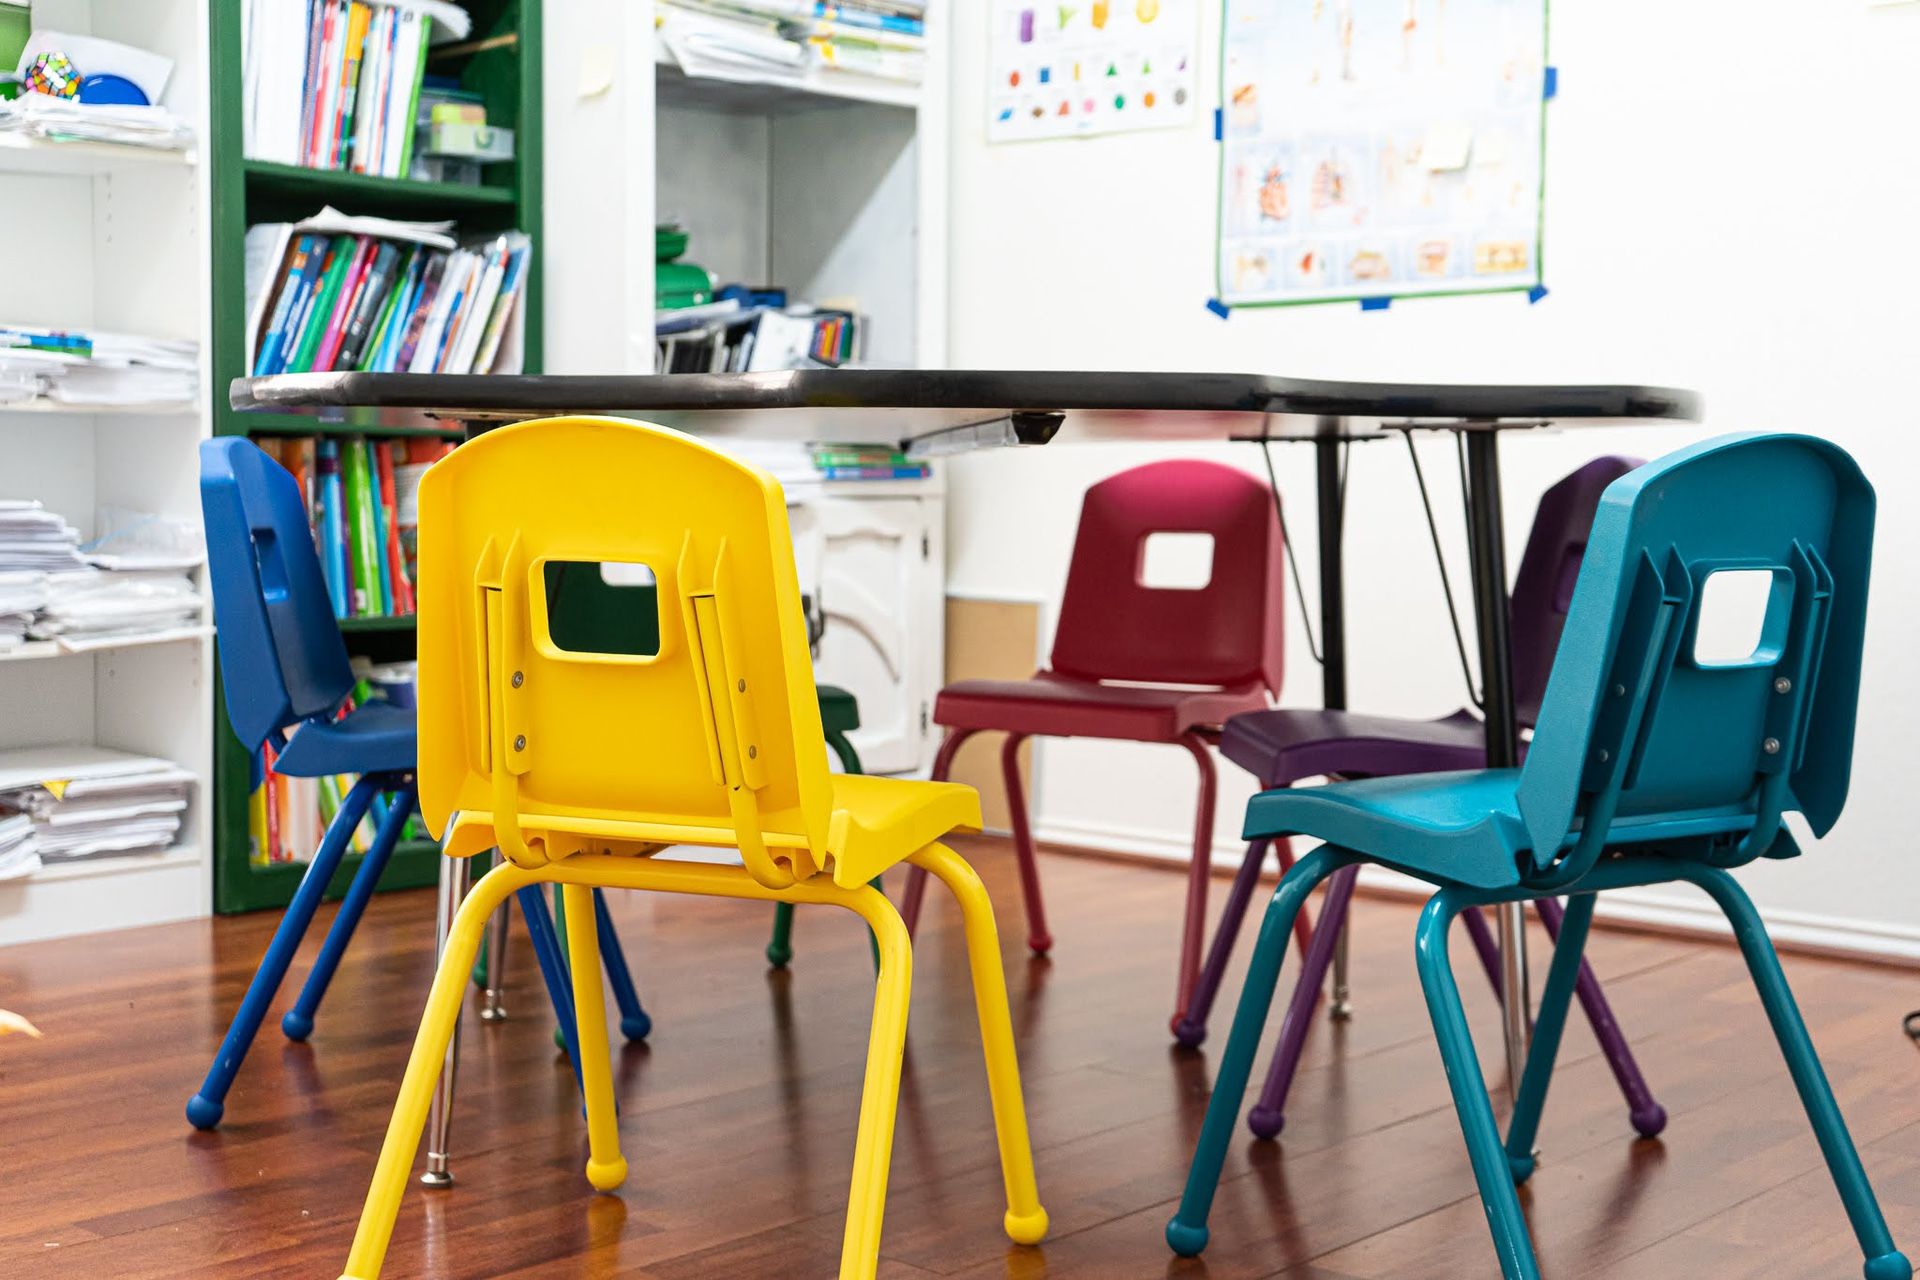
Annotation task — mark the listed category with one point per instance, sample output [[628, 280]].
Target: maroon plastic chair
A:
[[1281, 747], [1141, 664]]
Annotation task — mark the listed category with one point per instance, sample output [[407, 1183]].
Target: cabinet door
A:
[[881, 571]]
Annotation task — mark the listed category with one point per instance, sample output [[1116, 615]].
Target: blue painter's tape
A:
[[1552, 86], [1219, 124], [1219, 308], [1375, 304], [1536, 293]]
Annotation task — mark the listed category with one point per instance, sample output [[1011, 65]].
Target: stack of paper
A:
[[22, 594], [18, 854], [728, 42], [774, 41], [35, 539], [37, 115], [80, 367], [85, 802], [93, 608]]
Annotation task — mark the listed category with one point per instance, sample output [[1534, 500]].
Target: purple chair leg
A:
[[1191, 1027], [1648, 1116], [1268, 1114], [1483, 944]]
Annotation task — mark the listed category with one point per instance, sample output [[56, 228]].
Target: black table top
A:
[[956, 409]]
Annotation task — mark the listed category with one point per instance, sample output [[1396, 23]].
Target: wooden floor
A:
[[738, 1116]]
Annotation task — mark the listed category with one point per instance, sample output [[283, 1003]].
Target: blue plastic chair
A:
[[285, 671], [1649, 764]]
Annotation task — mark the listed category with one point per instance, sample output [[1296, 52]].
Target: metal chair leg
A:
[[491, 1010], [455, 874]]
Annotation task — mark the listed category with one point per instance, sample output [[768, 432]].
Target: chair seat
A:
[[1281, 747], [1058, 706], [1450, 828], [375, 738]]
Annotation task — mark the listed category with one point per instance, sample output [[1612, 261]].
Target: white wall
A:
[[1732, 198]]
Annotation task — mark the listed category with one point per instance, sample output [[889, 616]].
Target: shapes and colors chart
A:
[[1062, 68], [1380, 148]]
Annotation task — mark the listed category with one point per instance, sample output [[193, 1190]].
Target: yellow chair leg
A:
[[606, 1167], [880, 1095], [1026, 1221], [402, 1142]]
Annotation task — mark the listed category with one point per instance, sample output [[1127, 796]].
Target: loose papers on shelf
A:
[[92, 367], [84, 802]]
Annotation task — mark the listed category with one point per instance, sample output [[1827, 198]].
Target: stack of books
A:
[[725, 337], [334, 84], [80, 368], [337, 293], [363, 499], [88, 802], [781, 40], [866, 462]]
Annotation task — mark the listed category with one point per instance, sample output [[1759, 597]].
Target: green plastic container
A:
[[16, 24]]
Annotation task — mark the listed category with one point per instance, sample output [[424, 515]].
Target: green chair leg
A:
[[1883, 1261], [1477, 1125], [1187, 1232], [780, 945], [1547, 1028]]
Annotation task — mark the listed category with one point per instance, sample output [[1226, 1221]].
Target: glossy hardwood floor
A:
[[738, 1117]]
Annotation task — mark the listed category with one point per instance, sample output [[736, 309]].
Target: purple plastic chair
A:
[[1282, 747]]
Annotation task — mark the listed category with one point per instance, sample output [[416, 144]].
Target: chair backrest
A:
[[281, 656], [1638, 722], [713, 737], [1228, 632], [1543, 589]]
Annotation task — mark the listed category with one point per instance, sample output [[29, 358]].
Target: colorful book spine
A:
[[396, 563], [333, 543], [361, 539]]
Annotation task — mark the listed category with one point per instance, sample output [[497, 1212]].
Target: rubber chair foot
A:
[[1889, 1266], [1040, 944], [779, 957], [637, 1027], [204, 1113], [1185, 1240], [1520, 1166], [1266, 1122], [1026, 1228], [607, 1176], [1188, 1031], [296, 1026], [1650, 1122]]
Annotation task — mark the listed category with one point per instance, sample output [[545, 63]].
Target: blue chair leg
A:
[[1477, 1125], [634, 1022], [206, 1107], [1562, 977], [553, 970], [1884, 1262], [297, 1024], [1187, 1232]]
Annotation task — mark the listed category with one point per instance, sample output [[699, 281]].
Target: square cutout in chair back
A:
[[602, 607]]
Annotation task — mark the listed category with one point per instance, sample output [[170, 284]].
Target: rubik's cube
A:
[[54, 75]]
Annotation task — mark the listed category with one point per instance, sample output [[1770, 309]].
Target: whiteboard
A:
[[1071, 68], [1380, 148]]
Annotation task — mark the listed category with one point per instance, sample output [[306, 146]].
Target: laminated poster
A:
[[1079, 67], [1380, 148]]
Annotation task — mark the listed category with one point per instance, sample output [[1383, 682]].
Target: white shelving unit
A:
[[113, 238]]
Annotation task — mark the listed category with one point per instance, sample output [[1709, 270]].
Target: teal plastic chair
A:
[[1650, 763]]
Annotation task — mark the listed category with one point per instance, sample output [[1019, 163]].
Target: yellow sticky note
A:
[[597, 66], [1447, 147]]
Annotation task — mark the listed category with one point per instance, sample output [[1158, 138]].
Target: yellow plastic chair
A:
[[579, 766]]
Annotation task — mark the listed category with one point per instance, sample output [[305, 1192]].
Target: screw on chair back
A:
[[713, 738], [1637, 724], [281, 656], [1227, 633], [1543, 588]]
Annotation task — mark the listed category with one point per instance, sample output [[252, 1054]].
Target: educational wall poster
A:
[[1070, 68], [1380, 148]]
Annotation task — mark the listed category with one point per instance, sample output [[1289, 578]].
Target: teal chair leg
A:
[[1477, 1125], [1884, 1262], [780, 945], [1187, 1232], [1547, 1028]]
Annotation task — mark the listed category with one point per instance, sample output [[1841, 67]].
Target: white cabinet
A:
[[873, 561]]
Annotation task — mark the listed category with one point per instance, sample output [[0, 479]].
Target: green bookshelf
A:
[[503, 66]]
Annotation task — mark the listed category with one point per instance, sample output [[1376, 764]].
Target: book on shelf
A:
[[724, 337], [363, 500], [866, 462], [335, 84], [338, 294], [780, 41]]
